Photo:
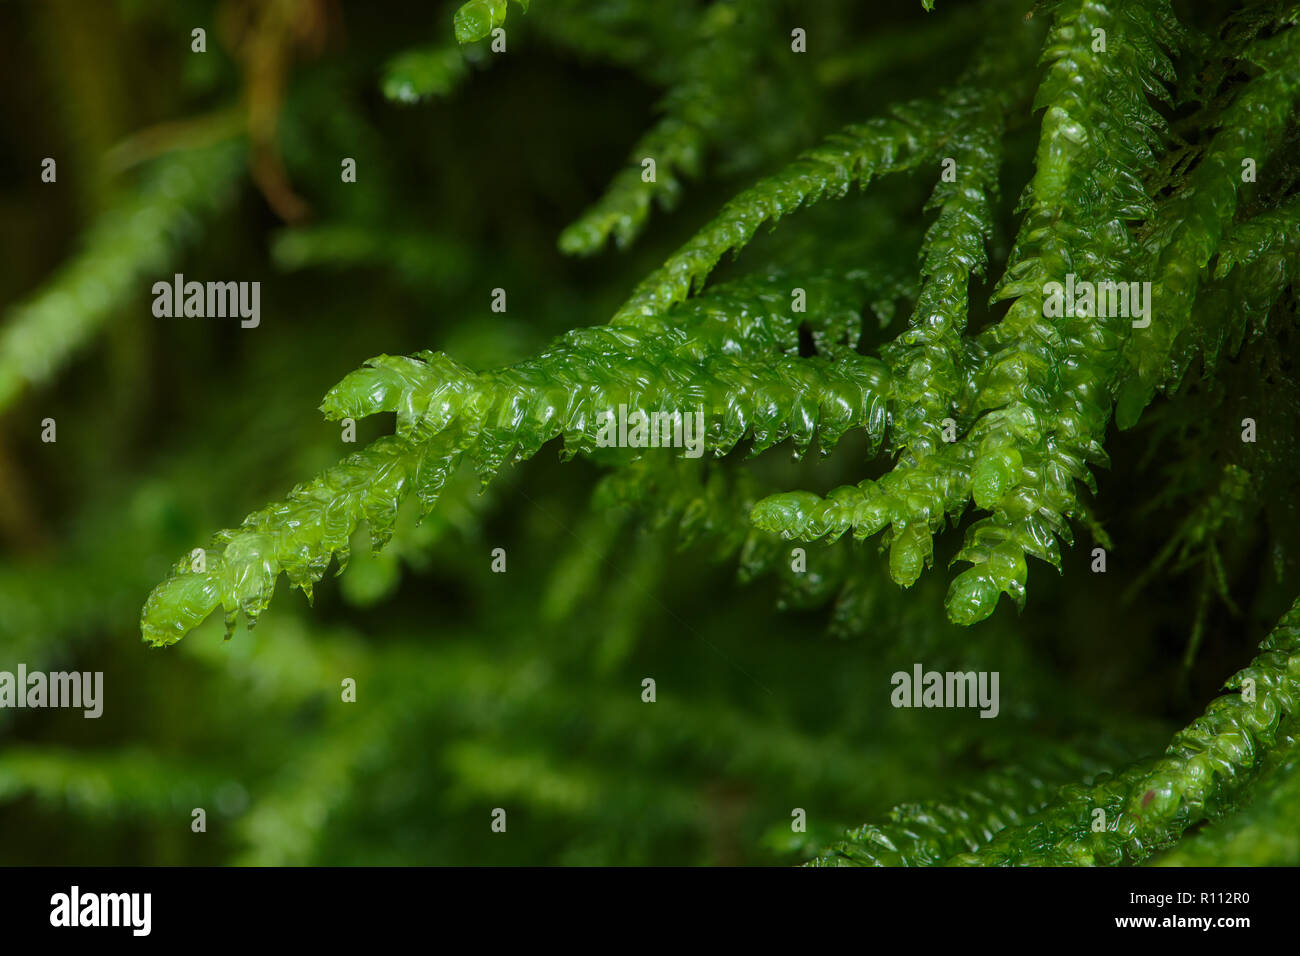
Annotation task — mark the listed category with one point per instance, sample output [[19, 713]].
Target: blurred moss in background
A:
[[475, 690]]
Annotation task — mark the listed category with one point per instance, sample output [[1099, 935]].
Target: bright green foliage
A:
[[928, 361], [854, 156], [732, 360], [930, 834], [1263, 833], [713, 86], [788, 279], [1021, 819], [1042, 409], [477, 18], [674, 146], [1008, 420], [1202, 775], [1188, 229]]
